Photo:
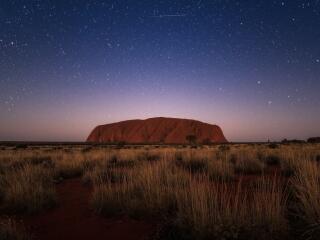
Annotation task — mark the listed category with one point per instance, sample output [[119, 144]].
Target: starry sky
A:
[[252, 67]]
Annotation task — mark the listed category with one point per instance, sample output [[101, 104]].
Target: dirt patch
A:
[[73, 219]]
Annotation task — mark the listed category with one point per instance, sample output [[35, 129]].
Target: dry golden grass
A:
[[9, 230], [217, 192], [218, 211], [306, 183], [247, 162], [27, 188], [146, 190]]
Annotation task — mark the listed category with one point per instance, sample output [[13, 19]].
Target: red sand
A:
[[73, 219], [156, 130]]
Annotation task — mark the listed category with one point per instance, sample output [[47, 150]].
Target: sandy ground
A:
[[73, 219]]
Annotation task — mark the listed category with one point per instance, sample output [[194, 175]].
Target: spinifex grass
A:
[[306, 184], [27, 188], [202, 193], [220, 211]]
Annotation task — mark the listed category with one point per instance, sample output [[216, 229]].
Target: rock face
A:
[[157, 130]]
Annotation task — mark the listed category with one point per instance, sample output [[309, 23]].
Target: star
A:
[[106, 52]]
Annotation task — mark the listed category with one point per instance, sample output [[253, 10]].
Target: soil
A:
[[73, 219]]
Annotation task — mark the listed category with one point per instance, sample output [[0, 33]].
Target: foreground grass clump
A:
[[202, 162], [27, 188], [70, 168], [306, 185], [196, 206], [146, 191], [9, 230], [248, 163], [190, 190], [221, 170], [194, 165], [219, 212]]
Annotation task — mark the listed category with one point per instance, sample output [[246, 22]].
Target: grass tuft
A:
[[9, 230], [28, 189]]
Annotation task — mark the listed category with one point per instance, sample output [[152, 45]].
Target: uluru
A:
[[157, 130]]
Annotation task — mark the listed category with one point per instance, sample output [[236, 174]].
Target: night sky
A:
[[252, 67]]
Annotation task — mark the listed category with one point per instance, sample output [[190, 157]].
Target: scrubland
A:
[[238, 191]]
